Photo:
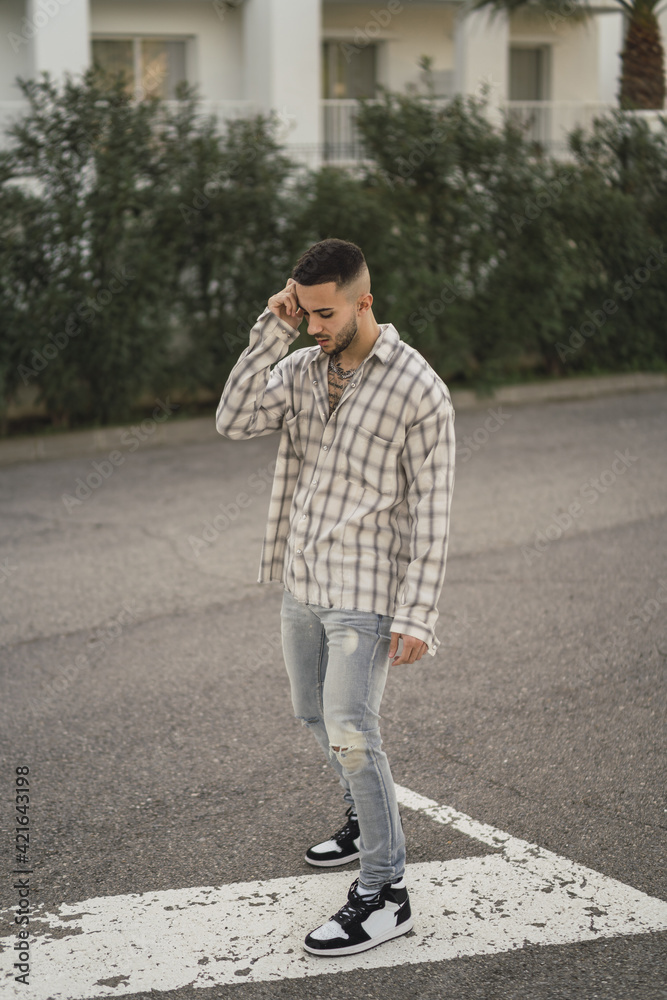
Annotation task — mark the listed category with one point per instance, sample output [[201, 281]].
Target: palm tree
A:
[[642, 59], [643, 66]]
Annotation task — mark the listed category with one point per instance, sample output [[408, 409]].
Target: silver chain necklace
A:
[[335, 367]]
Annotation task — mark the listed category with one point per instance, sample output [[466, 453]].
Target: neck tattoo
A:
[[334, 366]]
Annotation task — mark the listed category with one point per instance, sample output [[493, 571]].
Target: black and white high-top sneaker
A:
[[342, 847], [364, 922]]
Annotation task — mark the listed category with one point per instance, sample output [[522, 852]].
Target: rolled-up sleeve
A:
[[253, 399], [428, 460]]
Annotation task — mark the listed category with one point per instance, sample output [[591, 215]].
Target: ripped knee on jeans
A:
[[352, 745], [345, 752]]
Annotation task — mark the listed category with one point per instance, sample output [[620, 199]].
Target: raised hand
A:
[[285, 306]]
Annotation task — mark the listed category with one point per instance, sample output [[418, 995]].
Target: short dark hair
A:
[[329, 260]]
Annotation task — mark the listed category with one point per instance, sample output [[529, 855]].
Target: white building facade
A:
[[311, 60]]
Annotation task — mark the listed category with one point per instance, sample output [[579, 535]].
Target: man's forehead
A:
[[313, 298]]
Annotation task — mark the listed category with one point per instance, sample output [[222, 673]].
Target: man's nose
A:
[[314, 327]]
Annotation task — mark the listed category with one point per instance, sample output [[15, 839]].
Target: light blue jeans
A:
[[337, 663]]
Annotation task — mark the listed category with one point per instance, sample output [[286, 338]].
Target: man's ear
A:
[[364, 302]]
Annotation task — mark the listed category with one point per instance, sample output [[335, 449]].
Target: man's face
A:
[[330, 315]]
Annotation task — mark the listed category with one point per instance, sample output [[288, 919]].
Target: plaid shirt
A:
[[359, 511]]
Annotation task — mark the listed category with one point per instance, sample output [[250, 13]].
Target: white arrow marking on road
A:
[[253, 931]]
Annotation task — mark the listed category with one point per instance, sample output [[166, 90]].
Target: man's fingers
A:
[[413, 649], [393, 649], [291, 305], [284, 303]]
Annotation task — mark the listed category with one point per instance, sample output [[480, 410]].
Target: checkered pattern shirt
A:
[[360, 506]]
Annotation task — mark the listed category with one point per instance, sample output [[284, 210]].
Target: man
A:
[[357, 533]]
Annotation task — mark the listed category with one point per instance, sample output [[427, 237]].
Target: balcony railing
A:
[[340, 139], [222, 110], [549, 122], [546, 122]]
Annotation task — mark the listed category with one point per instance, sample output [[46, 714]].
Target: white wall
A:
[[574, 53], [476, 47], [482, 52], [610, 39], [270, 50], [215, 55], [403, 36], [61, 42], [281, 45]]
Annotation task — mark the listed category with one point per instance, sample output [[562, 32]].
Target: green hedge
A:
[[150, 243]]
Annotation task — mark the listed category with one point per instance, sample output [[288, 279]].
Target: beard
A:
[[343, 338]]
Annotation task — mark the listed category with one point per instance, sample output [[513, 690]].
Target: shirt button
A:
[[298, 552], [303, 517], [314, 482], [352, 385], [325, 447], [314, 381]]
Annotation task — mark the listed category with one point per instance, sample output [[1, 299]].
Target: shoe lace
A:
[[357, 906], [345, 831]]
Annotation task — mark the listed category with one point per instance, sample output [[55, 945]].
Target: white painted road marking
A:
[[253, 931]]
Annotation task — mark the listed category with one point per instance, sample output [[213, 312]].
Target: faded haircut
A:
[[330, 260]]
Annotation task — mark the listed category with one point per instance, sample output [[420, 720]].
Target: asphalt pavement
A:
[[142, 683]]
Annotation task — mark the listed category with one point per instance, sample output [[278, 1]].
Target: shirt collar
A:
[[384, 347], [386, 343]]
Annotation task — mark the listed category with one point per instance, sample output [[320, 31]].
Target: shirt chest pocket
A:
[[371, 461], [298, 433]]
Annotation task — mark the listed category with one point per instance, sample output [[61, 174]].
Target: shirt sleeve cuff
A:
[[277, 325], [408, 626]]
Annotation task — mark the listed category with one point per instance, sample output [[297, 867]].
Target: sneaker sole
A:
[[334, 862], [354, 949]]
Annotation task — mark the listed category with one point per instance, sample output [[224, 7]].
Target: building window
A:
[[529, 74], [348, 71], [153, 66]]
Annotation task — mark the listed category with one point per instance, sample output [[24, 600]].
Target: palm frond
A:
[[577, 10]]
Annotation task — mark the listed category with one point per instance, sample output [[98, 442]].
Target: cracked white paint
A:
[[253, 931]]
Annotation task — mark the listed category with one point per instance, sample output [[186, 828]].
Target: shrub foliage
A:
[[139, 243]]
